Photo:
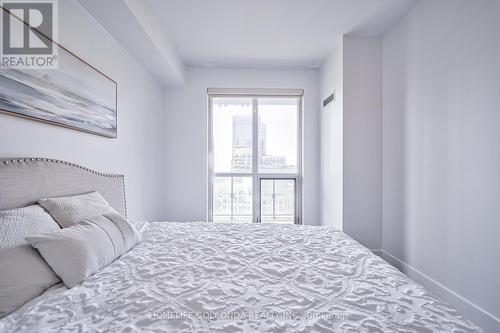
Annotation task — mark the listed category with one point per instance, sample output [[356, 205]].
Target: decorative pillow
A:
[[24, 274], [78, 251], [70, 210], [16, 224]]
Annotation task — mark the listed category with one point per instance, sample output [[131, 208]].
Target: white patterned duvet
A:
[[208, 277]]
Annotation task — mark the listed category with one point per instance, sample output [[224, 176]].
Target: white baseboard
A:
[[487, 321]]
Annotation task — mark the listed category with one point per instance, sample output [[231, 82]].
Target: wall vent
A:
[[330, 98]]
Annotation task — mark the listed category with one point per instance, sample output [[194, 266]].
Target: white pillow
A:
[[78, 251], [16, 224], [70, 210], [24, 274]]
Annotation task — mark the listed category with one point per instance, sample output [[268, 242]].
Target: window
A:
[[255, 156], [276, 200]]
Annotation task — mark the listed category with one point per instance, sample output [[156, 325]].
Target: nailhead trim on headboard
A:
[[50, 160]]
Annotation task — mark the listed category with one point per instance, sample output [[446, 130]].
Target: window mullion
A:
[[274, 199], [255, 161], [232, 199]]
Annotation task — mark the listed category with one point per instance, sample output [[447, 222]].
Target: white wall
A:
[[137, 152], [441, 216], [362, 102], [186, 125], [351, 140], [330, 79]]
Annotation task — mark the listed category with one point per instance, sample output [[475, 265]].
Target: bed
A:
[[200, 277]]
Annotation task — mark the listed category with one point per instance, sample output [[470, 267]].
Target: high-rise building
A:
[[242, 146]]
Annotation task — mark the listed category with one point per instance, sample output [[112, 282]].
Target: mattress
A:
[[200, 277]]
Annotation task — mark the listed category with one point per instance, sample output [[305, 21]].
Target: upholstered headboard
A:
[[23, 181]]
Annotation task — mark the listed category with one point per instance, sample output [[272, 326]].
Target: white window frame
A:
[[254, 94]]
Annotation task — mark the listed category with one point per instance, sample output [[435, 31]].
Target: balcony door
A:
[[255, 156]]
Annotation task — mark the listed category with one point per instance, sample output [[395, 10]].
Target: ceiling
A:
[[166, 36], [269, 33]]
